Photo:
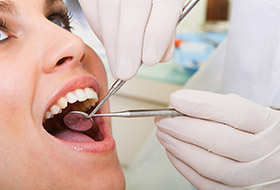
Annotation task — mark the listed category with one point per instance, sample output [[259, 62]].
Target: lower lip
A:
[[106, 145]]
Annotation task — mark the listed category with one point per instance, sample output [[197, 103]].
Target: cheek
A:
[[95, 66], [15, 87]]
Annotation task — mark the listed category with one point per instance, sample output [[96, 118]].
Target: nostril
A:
[[62, 60]]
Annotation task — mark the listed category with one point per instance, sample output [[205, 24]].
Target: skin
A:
[[30, 77]]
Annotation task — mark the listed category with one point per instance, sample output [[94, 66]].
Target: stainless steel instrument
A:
[[141, 113]]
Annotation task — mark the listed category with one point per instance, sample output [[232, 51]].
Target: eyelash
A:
[[64, 16], [4, 28]]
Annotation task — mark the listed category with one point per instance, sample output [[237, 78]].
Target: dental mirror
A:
[[78, 121]]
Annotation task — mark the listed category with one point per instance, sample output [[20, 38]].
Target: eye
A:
[[61, 18], [57, 21], [3, 36]]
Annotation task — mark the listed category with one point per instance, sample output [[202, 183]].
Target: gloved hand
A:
[[133, 31], [227, 142]]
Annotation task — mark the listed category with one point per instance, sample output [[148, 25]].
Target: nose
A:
[[61, 48]]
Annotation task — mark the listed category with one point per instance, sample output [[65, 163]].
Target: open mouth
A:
[[78, 100]]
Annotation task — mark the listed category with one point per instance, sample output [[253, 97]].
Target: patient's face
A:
[[42, 65]]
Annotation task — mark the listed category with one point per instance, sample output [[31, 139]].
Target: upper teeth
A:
[[88, 96]]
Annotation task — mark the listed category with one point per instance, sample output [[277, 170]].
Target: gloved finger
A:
[[159, 31], [170, 50], [206, 163], [133, 20], [91, 10], [195, 178], [232, 110], [198, 158], [203, 183], [108, 18], [217, 137], [258, 157]]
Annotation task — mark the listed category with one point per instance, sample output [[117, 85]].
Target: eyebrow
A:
[[48, 3], [8, 6]]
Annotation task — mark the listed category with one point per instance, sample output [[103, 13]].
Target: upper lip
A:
[[71, 85]]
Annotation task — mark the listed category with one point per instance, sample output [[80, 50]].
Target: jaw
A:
[[43, 164], [47, 162]]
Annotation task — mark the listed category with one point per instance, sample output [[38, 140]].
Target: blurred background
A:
[[141, 156]]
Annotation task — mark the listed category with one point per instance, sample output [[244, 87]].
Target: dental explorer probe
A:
[[119, 83], [137, 113]]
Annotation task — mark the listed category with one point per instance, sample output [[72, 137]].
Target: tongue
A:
[[73, 136]]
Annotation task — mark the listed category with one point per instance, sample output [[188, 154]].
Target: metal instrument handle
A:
[[142, 113]]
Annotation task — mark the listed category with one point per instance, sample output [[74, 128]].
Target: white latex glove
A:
[[133, 31], [227, 143]]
